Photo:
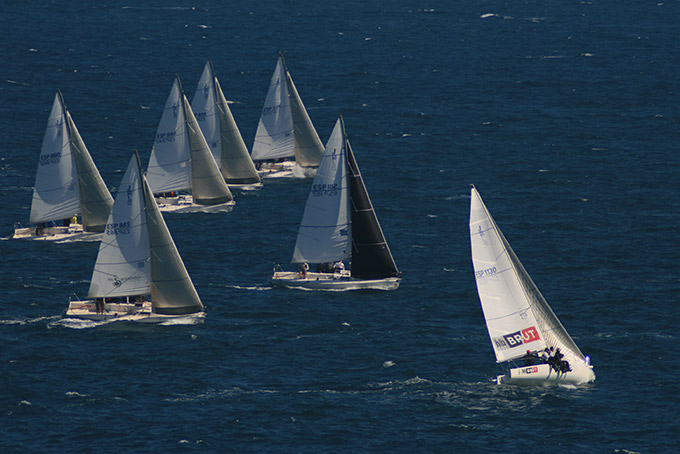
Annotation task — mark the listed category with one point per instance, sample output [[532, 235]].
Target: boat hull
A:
[[124, 312], [58, 233], [285, 169], [332, 281], [185, 204], [543, 374]]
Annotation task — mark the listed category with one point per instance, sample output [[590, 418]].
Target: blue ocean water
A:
[[564, 114]]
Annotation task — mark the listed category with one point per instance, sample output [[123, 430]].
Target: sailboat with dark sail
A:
[[339, 225]]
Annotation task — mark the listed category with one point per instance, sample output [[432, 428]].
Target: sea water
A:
[[563, 114]]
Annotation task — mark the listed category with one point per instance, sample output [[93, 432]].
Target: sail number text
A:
[[52, 158], [166, 137], [319, 190], [484, 273], [118, 228]]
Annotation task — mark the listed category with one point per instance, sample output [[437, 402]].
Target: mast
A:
[[371, 256]]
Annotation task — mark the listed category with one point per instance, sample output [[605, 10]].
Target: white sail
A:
[[308, 146], [172, 290], [517, 316], [274, 135], [324, 234], [207, 184], [95, 198], [123, 264], [221, 132], [55, 195], [169, 166]]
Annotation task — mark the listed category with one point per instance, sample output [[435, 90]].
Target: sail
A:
[[169, 166], [308, 146], [274, 136], [172, 291], [518, 318], [324, 232], [371, 256], [55, 195], [123, 265], [207, 184], [221, 132], [95, 198]]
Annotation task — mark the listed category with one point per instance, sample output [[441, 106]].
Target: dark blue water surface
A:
[[564, 114]]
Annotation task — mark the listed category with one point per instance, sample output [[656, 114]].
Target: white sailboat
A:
[[181, 162], [139, 275], [67, 183], [222, 134], [339, 224], [285, 131], [520, 322]]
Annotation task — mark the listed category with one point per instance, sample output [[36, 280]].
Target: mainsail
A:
[[324, 234], [285, 129], [67, 181], [518, 318], [137, 255], [180, 157], [221, 132]]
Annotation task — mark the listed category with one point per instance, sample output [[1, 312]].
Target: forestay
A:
[[324, 234], [517, 316]]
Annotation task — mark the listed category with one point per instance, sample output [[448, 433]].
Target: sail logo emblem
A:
[[117, 282], [206, 91], [59, 125], [129, 195], [517, 339], [175, 109]]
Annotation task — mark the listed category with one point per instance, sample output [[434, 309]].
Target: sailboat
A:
[[520, 322], [222, 134], [339, 224], [67, 183], [181, 162], [139, 275], [285, 130]]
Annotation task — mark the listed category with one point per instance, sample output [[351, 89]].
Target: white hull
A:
[[331, 281], [185, 204], [59, 233], [543, 374], [124, 312], [285, 169], [246, 187]]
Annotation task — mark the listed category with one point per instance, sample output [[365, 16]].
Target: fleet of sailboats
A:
[[67, 184], [339, 224], [285, 131], [197, 154], [520, 322], [182, 171]]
